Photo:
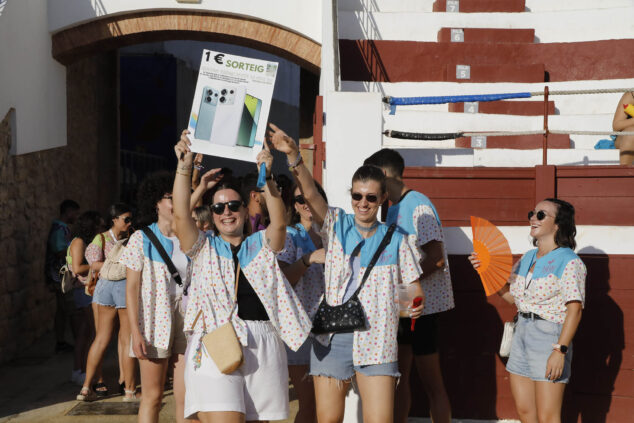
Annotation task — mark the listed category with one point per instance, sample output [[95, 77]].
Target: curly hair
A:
[[87, 226], [150, 192], [565, 221]]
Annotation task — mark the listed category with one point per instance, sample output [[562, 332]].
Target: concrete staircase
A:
[[420, 48]]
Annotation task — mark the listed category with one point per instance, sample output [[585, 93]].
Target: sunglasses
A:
[[219, 208], [541, 215], [371, 198], [167, 197], [299, 199], [127, 219]]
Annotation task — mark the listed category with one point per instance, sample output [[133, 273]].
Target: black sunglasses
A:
[[541, 215], [371, 198], [219, 208], [127, 219], [299, 199]]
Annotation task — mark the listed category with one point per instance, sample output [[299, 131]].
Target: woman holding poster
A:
[[237, 284]]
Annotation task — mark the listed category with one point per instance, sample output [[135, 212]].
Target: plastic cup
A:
[[404, 300]]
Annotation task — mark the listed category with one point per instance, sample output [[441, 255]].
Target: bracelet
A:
[[180, 172], [304, 262], [297, 163], [270, 177], [298, 160], [199, 167]]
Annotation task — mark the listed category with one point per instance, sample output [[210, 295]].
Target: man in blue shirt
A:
[[416, 216], [56, 245]]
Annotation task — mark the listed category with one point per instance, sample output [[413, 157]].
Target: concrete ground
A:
[[36, 388]]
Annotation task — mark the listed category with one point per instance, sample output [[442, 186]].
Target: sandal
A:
[[86, 394], [100, 389], [130, 396]]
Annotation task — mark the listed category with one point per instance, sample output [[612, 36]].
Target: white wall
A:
[[353, 128], [300, 16], [30, 80]]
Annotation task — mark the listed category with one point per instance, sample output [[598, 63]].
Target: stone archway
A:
[[113, 32]]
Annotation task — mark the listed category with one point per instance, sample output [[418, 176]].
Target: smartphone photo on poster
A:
[[249, 121]]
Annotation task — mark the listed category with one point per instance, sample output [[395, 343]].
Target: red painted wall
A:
[[602, 384]]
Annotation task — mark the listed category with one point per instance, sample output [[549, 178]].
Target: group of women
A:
[[187, 279]]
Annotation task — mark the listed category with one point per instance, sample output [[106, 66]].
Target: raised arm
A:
[[186, 229], [276, 231], [305, 182], [207, 182]]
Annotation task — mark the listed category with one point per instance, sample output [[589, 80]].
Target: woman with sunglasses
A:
[[109, 299], [548, 287], [263, 308], [350, 241], [154, 296], [302, 263]]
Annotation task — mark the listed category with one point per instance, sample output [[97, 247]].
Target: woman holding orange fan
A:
[[548, 287]]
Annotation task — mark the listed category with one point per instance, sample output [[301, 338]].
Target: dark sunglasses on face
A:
[[371, 198], [167, 197], [127, 219], [299, 199], [219, 208], [541, 215]]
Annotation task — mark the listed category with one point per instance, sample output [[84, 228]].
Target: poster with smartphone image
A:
[[231, 105]]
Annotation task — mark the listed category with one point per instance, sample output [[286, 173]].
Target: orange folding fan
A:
[[494, 253]]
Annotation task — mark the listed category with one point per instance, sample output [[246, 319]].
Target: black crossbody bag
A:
[[168, 261], [349, 316]]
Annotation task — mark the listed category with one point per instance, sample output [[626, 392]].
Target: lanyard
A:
[[526, 286]]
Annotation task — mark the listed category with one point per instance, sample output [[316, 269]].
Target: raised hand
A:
[[281, 141], [265, 157], [211, 178], [475, 261], [182, 149]]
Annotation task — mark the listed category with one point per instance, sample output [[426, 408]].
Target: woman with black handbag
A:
[[357, 322], [241, 307]]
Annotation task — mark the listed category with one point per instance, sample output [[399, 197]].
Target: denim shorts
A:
[[110, 293], [532, 345], [335, 360], [301, 357]]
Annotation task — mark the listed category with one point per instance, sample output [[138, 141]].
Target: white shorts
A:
[[258, 389]]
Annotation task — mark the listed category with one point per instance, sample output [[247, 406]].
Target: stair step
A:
[[483, 6], [520, 142], [490, 35], [397, 61], [498, 73], [521, 108]]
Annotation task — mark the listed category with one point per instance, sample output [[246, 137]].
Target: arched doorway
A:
[[99, 52]]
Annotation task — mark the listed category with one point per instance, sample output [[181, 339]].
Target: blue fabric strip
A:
[[408, 101]]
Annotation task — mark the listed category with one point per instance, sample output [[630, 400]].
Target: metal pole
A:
[[545, 141]]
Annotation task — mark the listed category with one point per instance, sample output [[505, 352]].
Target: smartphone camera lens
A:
[[231, 92], [209, 92], [222, 99], [208, 99], [223, 92], [215, 94]]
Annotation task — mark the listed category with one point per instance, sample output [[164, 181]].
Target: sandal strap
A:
[[130, 392]]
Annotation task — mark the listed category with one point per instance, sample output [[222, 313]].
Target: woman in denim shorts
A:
[[548, 287], [109, 298], [350, 241]]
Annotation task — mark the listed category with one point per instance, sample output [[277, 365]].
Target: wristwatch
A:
[[561, 348]]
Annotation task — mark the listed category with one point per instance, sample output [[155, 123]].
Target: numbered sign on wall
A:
[[463, 72], [453, 6], [457, 35], [479, 142], [471, 107]]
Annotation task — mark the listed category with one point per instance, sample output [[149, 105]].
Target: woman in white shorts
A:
[[153, 299], [351, 240], [267, 310]]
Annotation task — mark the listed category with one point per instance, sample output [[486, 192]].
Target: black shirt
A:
[[249, 305]]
